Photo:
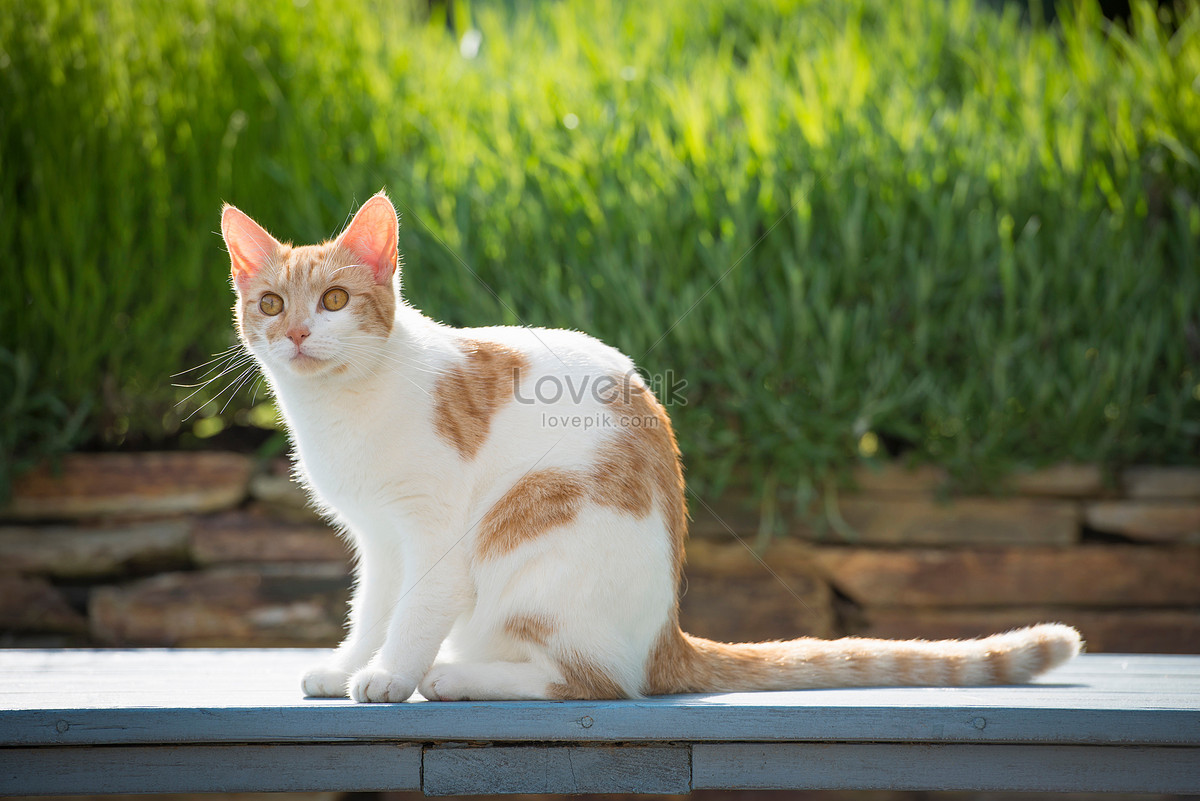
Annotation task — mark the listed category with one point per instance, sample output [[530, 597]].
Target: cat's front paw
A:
[[374, 685], [325, 682]]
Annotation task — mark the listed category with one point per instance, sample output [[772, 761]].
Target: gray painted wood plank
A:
[[205, 769], [169, 678], [452, 770], [1100, 723], [214, 696], [233, 677], [148, 661], [863, 766], [164, 679], [610, 722], [1155, 692]]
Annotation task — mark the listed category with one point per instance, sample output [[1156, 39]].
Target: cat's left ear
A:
[[371, 236], [250, 246]]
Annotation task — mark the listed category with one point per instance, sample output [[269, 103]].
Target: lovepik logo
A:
[[604, 389]]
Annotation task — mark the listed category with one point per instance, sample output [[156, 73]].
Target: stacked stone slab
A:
[[179, 549], [1119, 558], [210, 549]]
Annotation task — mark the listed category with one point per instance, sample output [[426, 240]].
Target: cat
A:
[[515, 501]]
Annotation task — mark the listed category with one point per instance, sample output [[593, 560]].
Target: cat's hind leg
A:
[[571, 614], [490, 681]]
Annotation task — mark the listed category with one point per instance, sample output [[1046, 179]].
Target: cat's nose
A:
[[298, 334]]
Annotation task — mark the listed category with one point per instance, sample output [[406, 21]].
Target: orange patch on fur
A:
[[534, 629], [540, 501], [470, 394], [640, 466], [635, 471], [904, 668], [955, 664], [1002, 667], [376, 310], [681, 663], [584, 680], [1045, 653]]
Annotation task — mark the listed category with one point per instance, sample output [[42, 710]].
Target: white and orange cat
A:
[[515, 501]]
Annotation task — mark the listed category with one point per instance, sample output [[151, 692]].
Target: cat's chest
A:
[[352, 461]]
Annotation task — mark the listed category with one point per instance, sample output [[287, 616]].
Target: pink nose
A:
[[297, 335]]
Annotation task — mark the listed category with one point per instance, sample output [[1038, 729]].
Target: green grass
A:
[[927, 225]]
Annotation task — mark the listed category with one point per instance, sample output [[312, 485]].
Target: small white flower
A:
[[468, 46]]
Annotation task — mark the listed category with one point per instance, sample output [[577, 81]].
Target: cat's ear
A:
[[371, 236], [250, 247]]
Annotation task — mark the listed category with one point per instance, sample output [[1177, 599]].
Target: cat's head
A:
[[315, 310]]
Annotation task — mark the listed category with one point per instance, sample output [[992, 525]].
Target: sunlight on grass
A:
[[986, 241]]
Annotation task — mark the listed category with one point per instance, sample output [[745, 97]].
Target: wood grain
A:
[[211, 769], [896, 766], [557, 769]]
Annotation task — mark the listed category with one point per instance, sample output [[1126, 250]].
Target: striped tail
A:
[[683, 663]]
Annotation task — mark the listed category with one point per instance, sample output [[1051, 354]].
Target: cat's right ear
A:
[[371, 237], [250, 246]]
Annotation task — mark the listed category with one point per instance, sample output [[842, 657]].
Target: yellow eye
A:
[[335, 299], [270, 304]]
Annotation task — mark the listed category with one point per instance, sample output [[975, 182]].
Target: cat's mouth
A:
[[305, 364]]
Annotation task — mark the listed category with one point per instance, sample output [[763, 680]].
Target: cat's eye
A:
[[270, 304], [335, 299]]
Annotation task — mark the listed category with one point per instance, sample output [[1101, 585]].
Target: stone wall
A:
[[210, 549]]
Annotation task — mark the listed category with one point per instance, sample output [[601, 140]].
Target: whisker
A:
[[416, 364], [245, 378], [345, 267], [236, 365], [231, 366], [219, 363], [360, 350], [231, 385], [216, 358], [232, 360], [257, 385], [394, 359]]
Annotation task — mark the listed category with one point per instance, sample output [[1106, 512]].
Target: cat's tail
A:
[[692, 664]]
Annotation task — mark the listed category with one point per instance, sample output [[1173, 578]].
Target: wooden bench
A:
[[235, 720]]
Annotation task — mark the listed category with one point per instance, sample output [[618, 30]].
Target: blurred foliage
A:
[[853, 227]]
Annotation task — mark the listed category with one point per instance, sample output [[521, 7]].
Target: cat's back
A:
[[508, 392], [551, 350]]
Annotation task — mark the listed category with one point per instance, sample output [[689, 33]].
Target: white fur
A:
[[427, 609], [367, 449]]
